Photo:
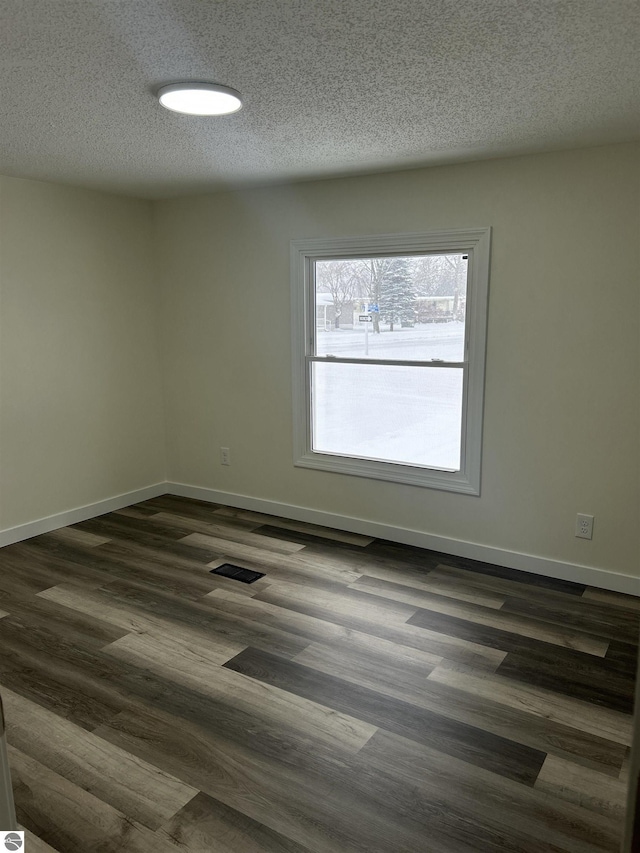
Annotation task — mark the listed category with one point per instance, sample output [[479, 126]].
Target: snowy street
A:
[[409, 415], [430, 340]]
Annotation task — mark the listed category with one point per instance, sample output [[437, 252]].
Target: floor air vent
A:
[[236, 573]]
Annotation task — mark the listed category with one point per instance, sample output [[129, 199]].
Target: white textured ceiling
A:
[[330, 87]]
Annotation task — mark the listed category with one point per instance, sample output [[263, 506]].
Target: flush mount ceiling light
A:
[[200, 99]]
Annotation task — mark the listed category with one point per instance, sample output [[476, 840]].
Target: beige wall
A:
[[81, 415], [561, 429]]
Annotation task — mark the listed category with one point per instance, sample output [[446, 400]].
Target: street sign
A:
[[365, 318], [374, 309]]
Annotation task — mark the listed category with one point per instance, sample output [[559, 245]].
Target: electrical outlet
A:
[[584, 526], [225, 456]]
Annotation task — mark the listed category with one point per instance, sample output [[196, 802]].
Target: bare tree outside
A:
[[371, 276], [442, 275], [337, 278]]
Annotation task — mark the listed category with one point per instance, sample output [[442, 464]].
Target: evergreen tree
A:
[[397, 293]]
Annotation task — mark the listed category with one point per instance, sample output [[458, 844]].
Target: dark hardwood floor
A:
[[362, 696]]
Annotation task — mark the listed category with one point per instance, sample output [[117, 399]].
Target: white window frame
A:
[[476, 242]]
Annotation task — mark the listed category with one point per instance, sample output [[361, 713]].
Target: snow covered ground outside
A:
[[402, 414], [424, 342]]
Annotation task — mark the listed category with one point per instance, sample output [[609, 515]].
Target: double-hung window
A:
[[389, 337]]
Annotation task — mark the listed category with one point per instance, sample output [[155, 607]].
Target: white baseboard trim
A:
[[484, 553], [73, 516], [471, 550]]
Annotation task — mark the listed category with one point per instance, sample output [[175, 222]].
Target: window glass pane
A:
[[409, 308], [409, 415]]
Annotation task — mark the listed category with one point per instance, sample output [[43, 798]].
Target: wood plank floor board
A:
[[114, 560], [77, 537], [473, 581], [34, 844], [178, 527], [349, 601], [71, 819], [477, 709], [187, 616], [441, 817], [49, 621], [312, 629], [155, 706], [610, 725], [182, 576], [572, 674], [177, 652], [392, 674], [521, 626], [314, 566], [190, 507], [294, 571], [434, 559], [225, 723], [531, 651], [197, 668], [111, 526], [409, 555], [98, 603], [623, 657], [361, 562], [82, 684], [443, 785], [517, 575], [179, 517], [476, 746], [205, 825], [221, 530], [266, 560], [431, 642], [612, 599], [592, 619], [137, 511], [433, 583], [134, 787], [358, 561], [52, 691], [32, 566], [360, 782], [63, 677], [422, 597], [325, 812], [626, 768], [323, 533], [129, 525], [141, 612], [584, 787], [304, 539]]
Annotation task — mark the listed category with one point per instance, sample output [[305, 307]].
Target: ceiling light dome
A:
[[200, 99]]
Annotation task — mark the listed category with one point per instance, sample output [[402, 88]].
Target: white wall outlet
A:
[[225, 456], [584, 526]]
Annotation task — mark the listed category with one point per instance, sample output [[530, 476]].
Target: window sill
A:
[[430, 478]]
